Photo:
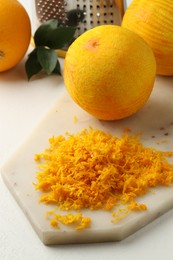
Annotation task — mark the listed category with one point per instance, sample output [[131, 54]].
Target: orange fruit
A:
[[153, 21], [15, 32], [109, 71]]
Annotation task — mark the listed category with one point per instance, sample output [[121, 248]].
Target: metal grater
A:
[[87, 13]]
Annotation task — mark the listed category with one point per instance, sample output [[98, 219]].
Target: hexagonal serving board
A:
[[155, 121]]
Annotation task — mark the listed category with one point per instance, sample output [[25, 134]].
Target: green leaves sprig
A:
[[50, 36]]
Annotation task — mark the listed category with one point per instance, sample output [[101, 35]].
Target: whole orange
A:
[[15, 33], [153, 21], [109, 71]]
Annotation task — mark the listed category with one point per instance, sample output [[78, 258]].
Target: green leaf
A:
[[61, 37], [49, 36], [42, 34], [57, 69], [47, 59], [32, 65], [52, 36]]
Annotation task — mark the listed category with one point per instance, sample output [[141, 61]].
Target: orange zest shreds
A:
[[78, 220], [54, 223], [69, 218], [37, 157], [96, 170], [110, 203], [137, 207], [85, 223], [75, 119], [49, 213], [120, 214], [127, 130]]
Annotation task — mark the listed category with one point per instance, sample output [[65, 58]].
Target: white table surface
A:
[[22, 106]]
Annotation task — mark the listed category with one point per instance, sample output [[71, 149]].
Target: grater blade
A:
[[86, 14]]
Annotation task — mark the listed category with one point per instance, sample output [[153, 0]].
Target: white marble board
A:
[[155, 121]]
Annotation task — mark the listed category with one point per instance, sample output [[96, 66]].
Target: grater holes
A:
[[50, 9], [94, 12]]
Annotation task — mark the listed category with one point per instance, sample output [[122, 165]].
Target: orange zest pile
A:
[[96, 170]]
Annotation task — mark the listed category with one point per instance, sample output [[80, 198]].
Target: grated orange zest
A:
[[96, 170]]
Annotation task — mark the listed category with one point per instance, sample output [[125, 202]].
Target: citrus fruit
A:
[[153, 21], [15, 32], [109, 71]]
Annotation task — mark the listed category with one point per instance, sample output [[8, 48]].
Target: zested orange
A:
[[109, 71], [153, 21], [15, 33]]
